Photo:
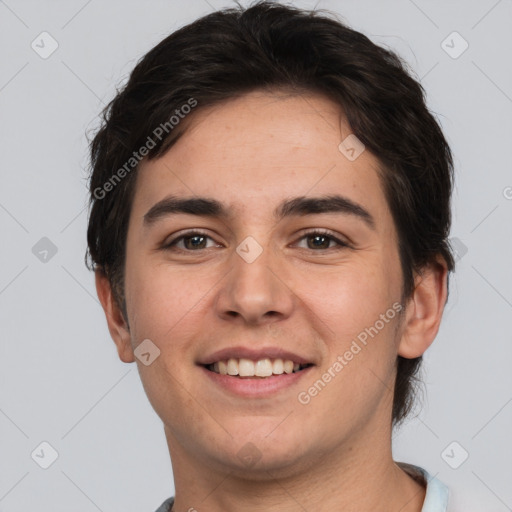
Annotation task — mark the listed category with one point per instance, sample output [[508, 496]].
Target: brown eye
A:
[[194, 242], [190, 242], [321, 240]]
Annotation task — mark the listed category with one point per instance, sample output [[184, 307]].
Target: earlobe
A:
[[425, 310], [116, 323]]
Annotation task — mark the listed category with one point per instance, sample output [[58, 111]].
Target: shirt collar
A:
[[437, 494]]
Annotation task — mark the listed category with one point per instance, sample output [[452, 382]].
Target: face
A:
[[268, 278]]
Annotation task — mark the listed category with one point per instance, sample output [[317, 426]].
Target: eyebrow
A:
[[297, 206]]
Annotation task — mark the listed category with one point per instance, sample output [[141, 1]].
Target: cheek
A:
[[162, 308], [352, 296], [357, 309], [158, 298]]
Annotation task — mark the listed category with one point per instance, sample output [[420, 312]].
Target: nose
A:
[[254, 291]]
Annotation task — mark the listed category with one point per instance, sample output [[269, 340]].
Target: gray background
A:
[[60, 378]]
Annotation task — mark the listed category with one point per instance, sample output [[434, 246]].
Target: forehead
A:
[[253, 151]]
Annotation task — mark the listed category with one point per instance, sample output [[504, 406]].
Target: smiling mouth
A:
[[261, 368]]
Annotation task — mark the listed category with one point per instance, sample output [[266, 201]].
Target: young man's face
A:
[[303, 295]]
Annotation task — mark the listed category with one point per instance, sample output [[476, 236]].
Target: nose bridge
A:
[[252, 289]]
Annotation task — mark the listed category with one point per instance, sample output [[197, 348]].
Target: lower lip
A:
[[256, 387]]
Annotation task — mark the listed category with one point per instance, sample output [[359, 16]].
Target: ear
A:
[[116, 323], [424, 310]]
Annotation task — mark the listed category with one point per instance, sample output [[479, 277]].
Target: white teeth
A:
[[261, 368], [223, 368], [232, 367], [245, 368], [277, 367]]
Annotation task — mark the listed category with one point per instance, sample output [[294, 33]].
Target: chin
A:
[[257, 457]]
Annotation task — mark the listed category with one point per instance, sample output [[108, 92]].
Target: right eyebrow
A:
[[200, 206]]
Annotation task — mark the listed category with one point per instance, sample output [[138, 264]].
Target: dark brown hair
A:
[[271, 46]]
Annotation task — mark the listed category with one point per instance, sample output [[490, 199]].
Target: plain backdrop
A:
[[61, 381]]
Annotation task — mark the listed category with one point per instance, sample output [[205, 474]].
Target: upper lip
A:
[[253, 354]]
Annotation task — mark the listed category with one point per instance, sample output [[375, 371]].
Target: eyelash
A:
[[318, 232]]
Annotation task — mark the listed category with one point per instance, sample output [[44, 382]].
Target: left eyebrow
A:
[[297, 206], [327, 204]]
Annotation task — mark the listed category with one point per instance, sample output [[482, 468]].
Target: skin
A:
[[335, 452]]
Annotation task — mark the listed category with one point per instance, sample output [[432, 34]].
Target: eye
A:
[[192, 241], [321, 239]]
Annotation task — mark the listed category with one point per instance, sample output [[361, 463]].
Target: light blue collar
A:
[[437, 494]]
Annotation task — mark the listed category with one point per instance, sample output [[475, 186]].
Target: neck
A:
[[354, 478]]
